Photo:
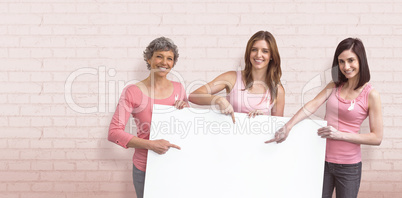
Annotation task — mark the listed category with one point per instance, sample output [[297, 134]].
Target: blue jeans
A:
[[345, 178], [138, 180]]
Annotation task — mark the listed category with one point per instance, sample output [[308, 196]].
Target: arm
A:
[[376, 126], [278, 108], [308, 109], [116, 133], [205, 95], [120, 118]]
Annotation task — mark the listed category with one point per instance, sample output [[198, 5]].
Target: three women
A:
[[257, 90]]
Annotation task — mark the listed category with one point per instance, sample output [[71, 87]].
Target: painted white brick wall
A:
[[48, 149]]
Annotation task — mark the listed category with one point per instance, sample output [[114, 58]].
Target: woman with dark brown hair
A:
[[256, 90], [350, 99]]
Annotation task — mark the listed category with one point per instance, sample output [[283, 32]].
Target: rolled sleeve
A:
[[120, 118]]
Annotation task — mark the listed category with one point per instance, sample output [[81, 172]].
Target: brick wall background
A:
[[63, 65]]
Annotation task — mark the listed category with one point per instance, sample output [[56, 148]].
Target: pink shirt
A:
[[244, 102], [338, 116], [139, 105]]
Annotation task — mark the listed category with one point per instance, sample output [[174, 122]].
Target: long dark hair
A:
[[274, 72], [357, 47]]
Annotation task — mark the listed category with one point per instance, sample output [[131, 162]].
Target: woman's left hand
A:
[[329, 132], [180, 104]]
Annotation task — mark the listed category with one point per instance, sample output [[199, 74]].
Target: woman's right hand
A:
[[161, 146], [225, 107]]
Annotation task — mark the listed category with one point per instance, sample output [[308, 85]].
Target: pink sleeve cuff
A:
[[120, 137]]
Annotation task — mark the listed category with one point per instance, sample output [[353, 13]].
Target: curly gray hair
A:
[[161, 43]]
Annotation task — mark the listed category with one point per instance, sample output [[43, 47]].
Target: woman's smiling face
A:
[[260, 54], [161, 61], [349, 64]]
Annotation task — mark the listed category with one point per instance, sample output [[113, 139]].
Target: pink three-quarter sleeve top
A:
[[139, 105], [343, 117], [245, 102]]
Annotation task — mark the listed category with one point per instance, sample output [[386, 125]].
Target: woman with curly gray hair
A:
[[161, 55]]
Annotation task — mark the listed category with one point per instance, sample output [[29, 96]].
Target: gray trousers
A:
[[138, 180], [345, 178]]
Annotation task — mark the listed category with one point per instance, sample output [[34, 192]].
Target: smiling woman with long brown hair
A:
[[256, 90]]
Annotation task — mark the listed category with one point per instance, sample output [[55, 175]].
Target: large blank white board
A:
[[221, 159]]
